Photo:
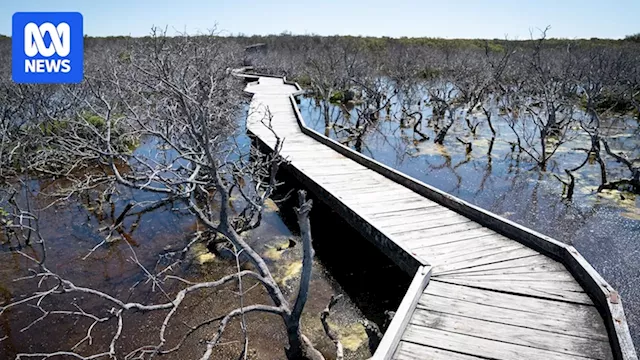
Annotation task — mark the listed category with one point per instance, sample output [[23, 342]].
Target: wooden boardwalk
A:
[[484, 287]]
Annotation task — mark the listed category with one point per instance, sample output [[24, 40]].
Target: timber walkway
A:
[[484, 287]]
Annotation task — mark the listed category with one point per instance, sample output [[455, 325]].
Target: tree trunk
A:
[[300, 348], [603, 169], [491, 141], [552, 127], [299, 345], [543, 152], [571, 186], [487, 113], [596, 149], [443, 132], [636, 104], [325, 109]]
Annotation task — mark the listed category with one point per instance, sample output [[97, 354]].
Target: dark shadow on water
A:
[[370, 279]]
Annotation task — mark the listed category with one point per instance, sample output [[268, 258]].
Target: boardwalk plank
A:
[[564, 291], [390, 208], [451, 249], [430, 226], [485, 348], [336, 175], [512, 301], [490, 256], [411, 351], [537, 262], [400, 214], [384, 194], [428, 222], [515, 275], [417, 220], [339, 178], [385, 198], [365, 186], [418, 242], [525, 316], [512, 334], [427, 234], [312, 167]]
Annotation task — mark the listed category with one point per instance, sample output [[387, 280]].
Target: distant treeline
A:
[[381, 42], [376, 42]]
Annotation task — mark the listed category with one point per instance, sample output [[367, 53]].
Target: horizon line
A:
[[286, 33]]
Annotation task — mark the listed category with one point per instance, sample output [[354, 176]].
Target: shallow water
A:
[[344, 264], [605, 227]]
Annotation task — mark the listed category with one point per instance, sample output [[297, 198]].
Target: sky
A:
[[395, 18]]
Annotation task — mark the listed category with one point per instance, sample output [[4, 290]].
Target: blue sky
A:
[[443, 18]]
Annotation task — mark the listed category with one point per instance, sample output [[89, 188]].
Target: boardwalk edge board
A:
[[391, 339], [605, 298]]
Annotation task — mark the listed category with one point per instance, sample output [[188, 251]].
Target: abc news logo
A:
[[34, 45], [47, 48]]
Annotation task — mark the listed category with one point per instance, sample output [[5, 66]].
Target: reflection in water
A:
[[604, 227]]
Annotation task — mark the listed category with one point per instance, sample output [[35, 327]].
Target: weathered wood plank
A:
[[391, 207], [512, 334], [537, 262], [581, 321], [471, 345], [339, 178], [400, 214], [301, 149], [512, 301], [483, 257], [452, 249], [431, 221], [386, 194], [340, 175], [445, 226], [307, 155], [449, 238], [310, 165], [514, 275], [310, 156], [562, 291], [410, 222], [385, 203], [378, 193], [365, 186], [411, 351], [498, 252], [425, 235], [556, 281]]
